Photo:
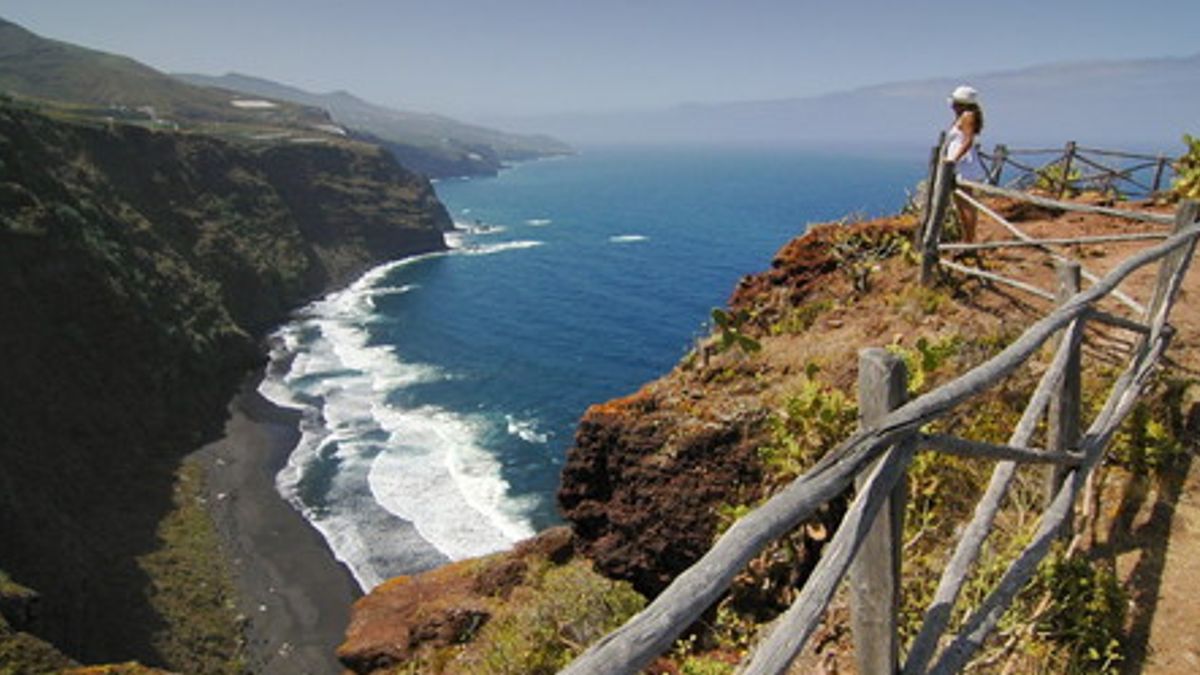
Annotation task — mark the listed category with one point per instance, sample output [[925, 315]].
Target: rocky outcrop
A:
[[642, 484], [408, 620], [137, 269]]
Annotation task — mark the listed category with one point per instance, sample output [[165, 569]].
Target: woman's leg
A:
[[968, 217]]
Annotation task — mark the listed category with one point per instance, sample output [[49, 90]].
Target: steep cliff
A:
[[653, 477], [137, 269]]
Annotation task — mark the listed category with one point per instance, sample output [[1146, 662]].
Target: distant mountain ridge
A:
[[432, 144], [93, 84], [1143, 102], [49, 70]]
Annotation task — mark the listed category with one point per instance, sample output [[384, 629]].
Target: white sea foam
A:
[[627, 238], [538, 222], [393, 290], [359, 453], [526, 430], [463, 237], [455, 240], [499, 247], [477, 228], [433, 465]]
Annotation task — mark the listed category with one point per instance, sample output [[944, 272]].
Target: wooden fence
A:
[[875, 457], [1075, 168]]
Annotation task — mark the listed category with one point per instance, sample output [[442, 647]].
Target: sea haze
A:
[[440, 394]]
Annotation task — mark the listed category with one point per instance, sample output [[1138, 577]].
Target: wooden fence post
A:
[[1158, 174], [935, 155], [1172, 269], [931, 232], [999, 156], [1068, 158], [1063, 415], [875, 572]]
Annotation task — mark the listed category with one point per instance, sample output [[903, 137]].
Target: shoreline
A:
[[295, 596]]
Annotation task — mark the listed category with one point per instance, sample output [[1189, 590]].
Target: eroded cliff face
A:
[[653, 477], [642, 484], [137, 269]]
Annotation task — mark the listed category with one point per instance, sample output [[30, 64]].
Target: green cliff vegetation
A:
[[101, 85], [137, 270]]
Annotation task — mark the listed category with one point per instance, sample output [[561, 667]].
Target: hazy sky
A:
[[477, 58]]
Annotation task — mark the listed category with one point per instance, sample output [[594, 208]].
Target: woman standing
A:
[[961, 142]]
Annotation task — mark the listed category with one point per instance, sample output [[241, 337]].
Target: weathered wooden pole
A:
[[1064, 410], [999, 157], [1172, 270], [1068, 158], [875, 572], [1158, 174], [931, 231], [935, 156]]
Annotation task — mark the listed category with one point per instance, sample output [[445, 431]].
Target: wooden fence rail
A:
[[876, 456], [1056, 174]]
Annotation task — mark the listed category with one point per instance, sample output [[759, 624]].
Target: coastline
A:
[[295, 596]]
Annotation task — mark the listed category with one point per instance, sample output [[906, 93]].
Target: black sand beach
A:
[[295, 595]]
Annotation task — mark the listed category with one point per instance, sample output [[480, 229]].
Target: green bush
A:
[[859, 254], [569, 608], [925, 358], [1187, 168], [1087, 613], [731, 325], [1050, 178], [800, 319], [813, 420], [1145, 442]]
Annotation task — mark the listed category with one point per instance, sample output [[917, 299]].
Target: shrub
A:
[[812, 421], [925, 358], [801, 318], [1187, 169], [1051, 179], [731, 331], [1087, 613], [568, 608]]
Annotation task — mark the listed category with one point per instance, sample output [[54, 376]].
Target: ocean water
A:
[[440, 393]]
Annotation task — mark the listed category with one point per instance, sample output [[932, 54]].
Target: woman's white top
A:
[[969, 167]]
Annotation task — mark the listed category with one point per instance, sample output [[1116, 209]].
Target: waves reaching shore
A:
[[394, 489]]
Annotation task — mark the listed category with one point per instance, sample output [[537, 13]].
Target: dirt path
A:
[[1173, 641]]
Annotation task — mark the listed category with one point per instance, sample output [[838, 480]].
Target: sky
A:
[[476, 59]]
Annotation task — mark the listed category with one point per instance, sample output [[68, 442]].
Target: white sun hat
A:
[[965, 94]]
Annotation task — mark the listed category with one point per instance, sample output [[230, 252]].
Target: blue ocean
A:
[[440, 393]]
